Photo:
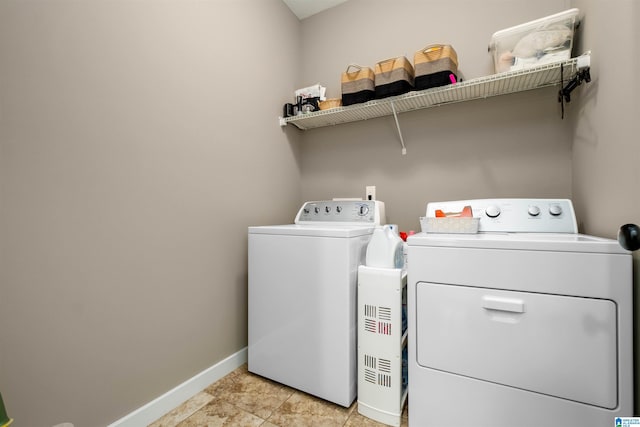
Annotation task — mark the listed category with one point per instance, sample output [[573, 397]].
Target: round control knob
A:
[[363, 210], [534, 210], [555, 210], [327, 209], [339, 209], [492, 211], [316, 209]]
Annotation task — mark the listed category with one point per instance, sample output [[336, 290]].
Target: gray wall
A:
[[606, 176], [511, 146], [138, 140]]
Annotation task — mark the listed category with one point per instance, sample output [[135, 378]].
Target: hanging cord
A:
[[395, 116], [560, 97]]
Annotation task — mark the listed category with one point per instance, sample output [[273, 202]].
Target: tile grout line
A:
[[264, 420], [226, 400], [282, 387]]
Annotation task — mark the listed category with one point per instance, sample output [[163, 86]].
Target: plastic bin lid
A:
[[532, 25]]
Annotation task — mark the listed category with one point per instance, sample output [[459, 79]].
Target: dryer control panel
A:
[[515, 215], [367, 212]]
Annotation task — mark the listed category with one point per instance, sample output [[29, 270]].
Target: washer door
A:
[[556, 345]]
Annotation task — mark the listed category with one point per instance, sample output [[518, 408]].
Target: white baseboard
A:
[[173, 398]]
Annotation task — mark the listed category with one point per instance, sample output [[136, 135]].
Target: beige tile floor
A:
[[244, 399]]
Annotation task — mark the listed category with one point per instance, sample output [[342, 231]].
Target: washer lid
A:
[[564, 242], [313, 230]]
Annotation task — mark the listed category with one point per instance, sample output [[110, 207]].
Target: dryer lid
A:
[[521, 241]]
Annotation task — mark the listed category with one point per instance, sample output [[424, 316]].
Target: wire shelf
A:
[[478, 88]]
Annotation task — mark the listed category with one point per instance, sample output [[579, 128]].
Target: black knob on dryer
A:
[[629, 237]]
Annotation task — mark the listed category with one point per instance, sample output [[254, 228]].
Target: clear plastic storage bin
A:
[[545, 40]]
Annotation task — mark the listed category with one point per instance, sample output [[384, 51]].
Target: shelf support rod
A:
[[395, 116]]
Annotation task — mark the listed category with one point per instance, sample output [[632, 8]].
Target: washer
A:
[[302, 297], [526, 323]]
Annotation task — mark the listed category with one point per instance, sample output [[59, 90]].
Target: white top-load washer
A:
[[302, 297], [526, 323]]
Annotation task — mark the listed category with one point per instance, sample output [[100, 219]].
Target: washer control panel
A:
[[342, 211], [515, 215]]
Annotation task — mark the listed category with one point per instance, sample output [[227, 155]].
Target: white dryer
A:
[[302, 297], [526, 323]]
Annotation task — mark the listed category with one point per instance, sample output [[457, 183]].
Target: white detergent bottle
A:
[[384, 249]]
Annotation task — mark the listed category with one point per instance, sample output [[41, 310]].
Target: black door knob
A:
[[629, 237]]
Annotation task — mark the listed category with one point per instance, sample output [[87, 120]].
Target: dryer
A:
[[302, 297], [526, 323]]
